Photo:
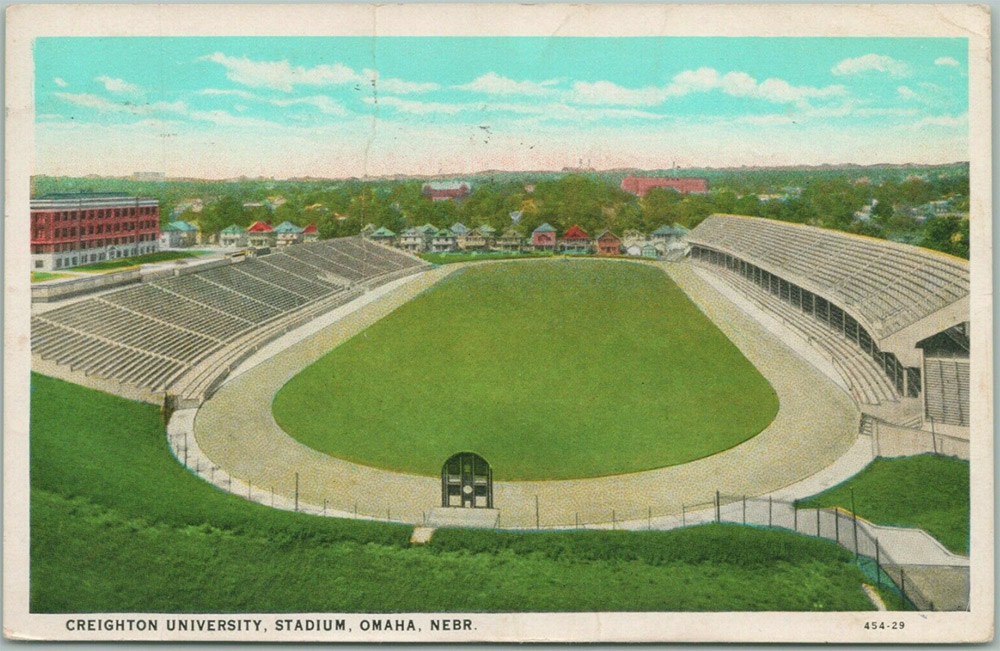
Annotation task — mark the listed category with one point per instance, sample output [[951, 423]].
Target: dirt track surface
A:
[[816, 424]]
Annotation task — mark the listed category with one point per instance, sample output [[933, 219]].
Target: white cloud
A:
[[606, 92], [105, 105], [225, 119], [871, 63], [399, 86], [736, 84], [947, 121], [118, 86], [283, 76], [414, 107], [58, 81], [321, 102], [945, 61], [771, 118], [493, 84], [227, 93], [906, 92]]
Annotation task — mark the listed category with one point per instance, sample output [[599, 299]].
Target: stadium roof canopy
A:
[[885, 285]]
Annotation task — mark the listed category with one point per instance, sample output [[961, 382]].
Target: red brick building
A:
[[73, 229], [543, 238], [447, 190], [609, 244], [640, 185]]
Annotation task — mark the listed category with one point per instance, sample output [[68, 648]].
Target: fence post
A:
[[683, 515], [614, 521], [795, 517], [324, 506], [272, 497], [878, 565], [649, 518], [538, 520], [769, 506], [744, 509], [248, 492], [296, 492], [355, 509], [718, 509], [854, 515], [836, 524], [576, 519], [933, 435], [902, 581], [819, 512]]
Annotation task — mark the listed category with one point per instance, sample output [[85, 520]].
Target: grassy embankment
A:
[[926, 491], [123, 263], [118, 525]]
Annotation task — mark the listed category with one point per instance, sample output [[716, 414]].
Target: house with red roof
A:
[[609, 244], [640, 185], [575, 240], [310, 233], [261, 235]]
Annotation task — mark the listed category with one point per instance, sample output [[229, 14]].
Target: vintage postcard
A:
[[504, 323]]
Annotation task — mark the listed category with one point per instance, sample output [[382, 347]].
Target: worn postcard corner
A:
[[501, 323]]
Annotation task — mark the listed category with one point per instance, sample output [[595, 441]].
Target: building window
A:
[[39, 264]]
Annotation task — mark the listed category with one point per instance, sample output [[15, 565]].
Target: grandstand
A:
[[892, 317], [181, 334]]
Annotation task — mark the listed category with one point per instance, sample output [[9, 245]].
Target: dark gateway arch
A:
[[467, 482]]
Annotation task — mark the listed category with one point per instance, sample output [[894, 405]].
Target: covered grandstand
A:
[[893, 318], [180, 335]]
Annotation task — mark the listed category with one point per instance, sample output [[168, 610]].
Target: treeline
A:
[[823, 197]]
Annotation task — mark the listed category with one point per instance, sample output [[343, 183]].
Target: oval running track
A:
[[816, 424]]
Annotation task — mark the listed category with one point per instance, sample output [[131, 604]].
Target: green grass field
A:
[[121, 263], [42, 276], [474, 256], [117, 525], [550, 370], [926, 491]]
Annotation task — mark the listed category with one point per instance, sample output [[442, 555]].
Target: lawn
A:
[[925, 491], [121, 263], [117, 525], [550, 370], [42, 276], [474, 256]]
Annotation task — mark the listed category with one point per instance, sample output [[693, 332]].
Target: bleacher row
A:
[[151, 334], [947, 384], [867, 381], [892, 286]]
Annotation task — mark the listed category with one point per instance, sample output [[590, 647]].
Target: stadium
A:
[[348, 379]]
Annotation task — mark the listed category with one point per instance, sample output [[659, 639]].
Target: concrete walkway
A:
[[816, 426]]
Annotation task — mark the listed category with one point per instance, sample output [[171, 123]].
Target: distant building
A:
[[511, 241], [634, 249], [575, 240], [471, 240], [515, 217], [458, 228], [447, 190], [233, 236], [310, 233], [368, 229], [632, 236], [412, 239], [261, 235], [543, 238], [649, 251], [74, 229], [668, 234], [287, 233], [443, 241], [178, 234], [383, 235], [640, 185], [609, 244]]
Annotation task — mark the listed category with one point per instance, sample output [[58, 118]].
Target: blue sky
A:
[[221, 107]]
